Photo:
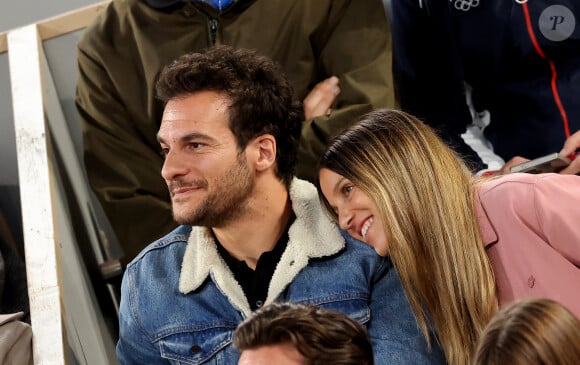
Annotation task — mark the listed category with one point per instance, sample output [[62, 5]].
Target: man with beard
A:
[[251, 233], [335, 53]]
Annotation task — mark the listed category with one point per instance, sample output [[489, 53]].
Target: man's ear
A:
[[264, 148]]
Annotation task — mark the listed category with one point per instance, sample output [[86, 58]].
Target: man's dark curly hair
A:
[[261, 98], [321, 336]]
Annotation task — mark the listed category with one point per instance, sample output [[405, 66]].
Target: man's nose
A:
[[173, 166]]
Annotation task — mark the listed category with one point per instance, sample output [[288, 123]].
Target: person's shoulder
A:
[[353, 243], [357, 251], [110, 21], [515, 180], [510, 181], [175, 241], [112, 12], [519, 188]]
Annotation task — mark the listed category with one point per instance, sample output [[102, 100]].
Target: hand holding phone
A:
[[549, 163]]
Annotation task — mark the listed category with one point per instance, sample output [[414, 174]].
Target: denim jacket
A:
[[180, 303]]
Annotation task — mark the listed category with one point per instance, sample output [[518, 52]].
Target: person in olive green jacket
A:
[[340, 48]]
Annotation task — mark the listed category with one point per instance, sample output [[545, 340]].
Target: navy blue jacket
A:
[[439, 45]]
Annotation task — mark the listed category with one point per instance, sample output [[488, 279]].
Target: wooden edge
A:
[[3, 42], [62, 24], [41, 242]]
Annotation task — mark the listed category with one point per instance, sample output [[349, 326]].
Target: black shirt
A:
[[255, 283]]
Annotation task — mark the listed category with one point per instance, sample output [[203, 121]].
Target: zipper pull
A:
[[213, 27]]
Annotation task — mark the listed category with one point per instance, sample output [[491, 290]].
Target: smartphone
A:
[[549, 163]]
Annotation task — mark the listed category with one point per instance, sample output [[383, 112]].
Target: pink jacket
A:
[[531, 229]]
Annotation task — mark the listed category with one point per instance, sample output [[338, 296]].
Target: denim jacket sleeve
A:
[[394, 332], [134, 346]]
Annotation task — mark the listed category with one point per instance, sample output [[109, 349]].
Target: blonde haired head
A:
[[425, 197]]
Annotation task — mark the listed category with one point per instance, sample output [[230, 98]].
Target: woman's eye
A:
[[347, 189]]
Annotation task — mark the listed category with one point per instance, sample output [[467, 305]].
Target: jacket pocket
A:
[[196, 347], [353, 306]]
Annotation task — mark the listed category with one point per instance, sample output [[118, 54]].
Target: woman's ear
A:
[[265, 152]]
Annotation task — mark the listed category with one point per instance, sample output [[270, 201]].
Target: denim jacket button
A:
[[195, 349]]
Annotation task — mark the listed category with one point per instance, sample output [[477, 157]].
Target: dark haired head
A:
[[261, 98], [322, 336]]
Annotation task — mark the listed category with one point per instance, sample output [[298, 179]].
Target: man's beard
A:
[[228, 199]]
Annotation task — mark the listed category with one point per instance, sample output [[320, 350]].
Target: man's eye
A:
[[164, 151], [195, 145]]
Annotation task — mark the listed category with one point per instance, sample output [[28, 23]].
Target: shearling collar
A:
[[311, 235]]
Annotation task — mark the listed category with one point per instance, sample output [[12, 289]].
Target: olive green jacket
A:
[[122, 52]]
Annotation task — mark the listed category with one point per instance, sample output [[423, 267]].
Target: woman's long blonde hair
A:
[[425, 196]]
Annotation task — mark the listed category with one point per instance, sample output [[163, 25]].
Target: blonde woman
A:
[[460, 246], [531, 332]]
